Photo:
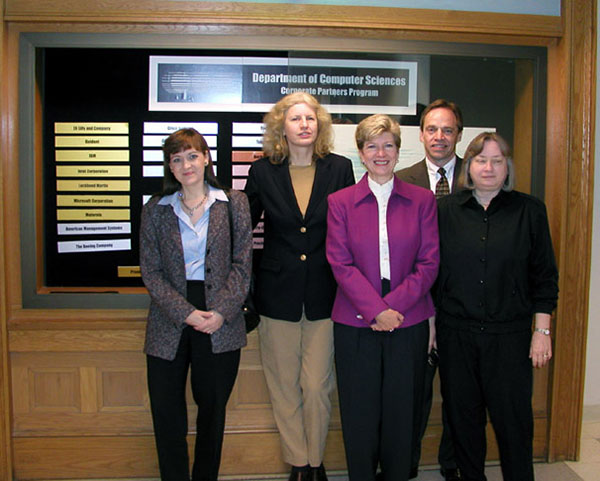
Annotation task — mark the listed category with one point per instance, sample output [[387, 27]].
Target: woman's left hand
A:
[[211, 322], [432, 339], [540, 351]]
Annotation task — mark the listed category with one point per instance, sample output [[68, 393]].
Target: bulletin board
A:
[[104, 118]]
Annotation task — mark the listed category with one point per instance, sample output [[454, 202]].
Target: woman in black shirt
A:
[[497, 273]]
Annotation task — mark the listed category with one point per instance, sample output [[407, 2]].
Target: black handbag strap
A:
[[230, 215]]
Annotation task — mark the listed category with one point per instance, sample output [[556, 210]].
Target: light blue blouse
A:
[[193, 236]]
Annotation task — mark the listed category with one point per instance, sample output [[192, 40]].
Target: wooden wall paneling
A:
[[569, 196], [522, 157], [266, 14], [80, 393], [10, 174], [523, 131], [134, 456], [5, 407]]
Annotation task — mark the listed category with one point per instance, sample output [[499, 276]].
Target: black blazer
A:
[[417, 174], [293, 270]]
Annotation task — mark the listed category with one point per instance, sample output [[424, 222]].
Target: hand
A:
[[205, 321], [195, 319], [387, 320], [540, 351], [432, 335]]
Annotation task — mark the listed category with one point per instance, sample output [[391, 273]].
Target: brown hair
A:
[[474, 149], [443, 104], [179, 141]]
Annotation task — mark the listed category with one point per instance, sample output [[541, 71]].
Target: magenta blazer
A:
[[353, 252]]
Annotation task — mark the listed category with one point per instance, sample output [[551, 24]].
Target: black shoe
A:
[[318, 474], [300, 473], [451, 474]]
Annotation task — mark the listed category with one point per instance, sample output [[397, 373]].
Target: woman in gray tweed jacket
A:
[[197, 281]]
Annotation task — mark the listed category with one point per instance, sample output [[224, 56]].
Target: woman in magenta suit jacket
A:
[[382, 244]]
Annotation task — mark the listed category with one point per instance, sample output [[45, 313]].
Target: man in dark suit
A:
[[441, 129]]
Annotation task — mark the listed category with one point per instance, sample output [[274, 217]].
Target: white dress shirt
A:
[[382, 193], [432, 171]]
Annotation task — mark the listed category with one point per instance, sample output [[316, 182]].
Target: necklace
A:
[[190, 210]]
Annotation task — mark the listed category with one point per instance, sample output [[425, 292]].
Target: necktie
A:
[[442, 188]]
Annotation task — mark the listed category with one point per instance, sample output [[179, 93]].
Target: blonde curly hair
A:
[[275, 145]]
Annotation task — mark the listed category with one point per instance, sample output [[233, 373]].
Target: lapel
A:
[[457, 169], [218, 220], [171, 236], [283, 182], [320, 186], [421, 177]]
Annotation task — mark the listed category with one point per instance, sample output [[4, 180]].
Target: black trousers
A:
[[212, 379], [380, 380], [446, 448], [482, 372]]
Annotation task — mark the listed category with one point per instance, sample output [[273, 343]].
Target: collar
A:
[[381, 189], [465, 196], [448, 167], [363, 191]]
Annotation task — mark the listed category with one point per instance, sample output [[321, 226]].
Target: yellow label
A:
[[91, 128], [92, 200], [92, 155], [129, 271], [94, 185], [92, 141], [92, 171], [92, 214]]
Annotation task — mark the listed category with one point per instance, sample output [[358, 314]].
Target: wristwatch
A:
[[545, 332]]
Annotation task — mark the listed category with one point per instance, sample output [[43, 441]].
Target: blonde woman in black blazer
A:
[[295, 288], [197, 271]]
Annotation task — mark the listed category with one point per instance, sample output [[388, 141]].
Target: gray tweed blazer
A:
[[226, 280]]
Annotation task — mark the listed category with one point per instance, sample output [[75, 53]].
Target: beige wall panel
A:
[[81, 424], [84, 457], [90, 457], [77, 393], [88, 390], [20, 389], [54, 389], [122, 389], [93, 457], [76, 341], [251, 391]]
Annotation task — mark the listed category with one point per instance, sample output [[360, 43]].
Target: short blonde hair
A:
[[374, 126], [474, 149], [275, 145]]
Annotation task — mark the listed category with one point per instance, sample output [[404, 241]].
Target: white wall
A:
[[592, 370]]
